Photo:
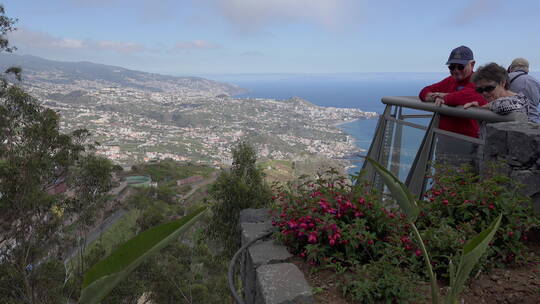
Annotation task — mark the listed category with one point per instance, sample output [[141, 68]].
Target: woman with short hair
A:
[[491, 81]]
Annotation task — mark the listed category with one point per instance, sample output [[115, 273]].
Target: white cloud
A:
[[39, 39], [121, 47], [42, 40], [250, 15], [196, 44]]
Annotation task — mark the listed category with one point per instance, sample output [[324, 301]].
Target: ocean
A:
[[361, 91]]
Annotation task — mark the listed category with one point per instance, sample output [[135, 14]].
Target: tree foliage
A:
[[35, 158], [241, 187]]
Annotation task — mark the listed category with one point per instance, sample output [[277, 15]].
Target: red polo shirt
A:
[[459, 93]]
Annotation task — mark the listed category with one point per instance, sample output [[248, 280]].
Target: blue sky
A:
[[187, 37]]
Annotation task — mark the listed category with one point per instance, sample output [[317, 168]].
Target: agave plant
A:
[[106, 274], [473, 250]]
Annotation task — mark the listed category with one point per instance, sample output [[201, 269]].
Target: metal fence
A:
[[408, 139]]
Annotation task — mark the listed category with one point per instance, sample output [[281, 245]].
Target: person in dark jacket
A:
[[456, 89]]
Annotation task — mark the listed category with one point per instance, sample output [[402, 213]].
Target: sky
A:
[[194, 37]]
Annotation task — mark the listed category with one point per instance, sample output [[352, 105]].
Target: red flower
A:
[[491, 206], [445, 202], [418, 252], [312, 238], [370, 242]]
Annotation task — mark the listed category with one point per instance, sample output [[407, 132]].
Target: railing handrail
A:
[[230, 273], [458, 111]]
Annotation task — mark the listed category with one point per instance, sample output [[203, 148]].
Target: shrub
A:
[[465, 204], [329, 221], [381, 281], [241, 187]]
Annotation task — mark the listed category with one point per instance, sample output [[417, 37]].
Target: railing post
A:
[[416, 178], [395, 161], [375, 147]]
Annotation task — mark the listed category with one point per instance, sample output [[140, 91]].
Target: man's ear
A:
[[472, 63]]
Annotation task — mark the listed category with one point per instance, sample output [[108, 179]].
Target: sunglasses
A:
[[454, 66], [486, 89]]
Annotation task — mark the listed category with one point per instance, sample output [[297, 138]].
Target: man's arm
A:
[[466, 95], [442, 86], [532, 89]]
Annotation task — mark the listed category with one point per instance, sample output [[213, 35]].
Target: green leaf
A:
[[106, 274], [472, 252], [399, 191]]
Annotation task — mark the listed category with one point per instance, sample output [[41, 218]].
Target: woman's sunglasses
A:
[[454, 66], [486, 89]]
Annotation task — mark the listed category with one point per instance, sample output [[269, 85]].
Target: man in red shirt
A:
[[456, 89]]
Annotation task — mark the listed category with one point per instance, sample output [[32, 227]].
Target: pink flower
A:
[[358, 214], [445, 202], [332, 242], [312, 238], [491, 206], [362, 200], [370, 242], [405, 239], [418, 252]]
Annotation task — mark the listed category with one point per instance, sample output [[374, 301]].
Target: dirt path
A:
[[197, 186]]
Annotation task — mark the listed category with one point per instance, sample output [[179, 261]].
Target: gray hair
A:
[[519, 64]]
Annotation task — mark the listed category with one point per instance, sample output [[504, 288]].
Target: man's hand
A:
[[439, 101], [471, 104], [432, 96]]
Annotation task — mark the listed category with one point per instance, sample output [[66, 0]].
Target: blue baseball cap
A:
[[460, 55]]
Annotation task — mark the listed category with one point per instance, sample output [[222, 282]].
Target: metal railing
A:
[[231, 272], [393, 151]]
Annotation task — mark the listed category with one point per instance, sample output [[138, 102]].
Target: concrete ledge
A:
[[282, 284], [263, 283]]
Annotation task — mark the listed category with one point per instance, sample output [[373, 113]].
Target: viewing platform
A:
[[408, 139]]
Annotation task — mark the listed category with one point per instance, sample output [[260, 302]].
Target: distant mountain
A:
[[87, 74]]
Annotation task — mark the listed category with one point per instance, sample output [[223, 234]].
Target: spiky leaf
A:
[[399, 191], [106, 274]]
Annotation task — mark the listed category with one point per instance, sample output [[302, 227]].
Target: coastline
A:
[[339, 124]]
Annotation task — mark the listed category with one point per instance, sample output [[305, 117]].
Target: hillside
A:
[[88, 75]]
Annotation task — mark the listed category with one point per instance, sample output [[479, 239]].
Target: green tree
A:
[[241, 187], [35, 157], [90, 179]]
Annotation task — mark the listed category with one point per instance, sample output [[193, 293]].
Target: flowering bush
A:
[[329, 221], [464, 204]]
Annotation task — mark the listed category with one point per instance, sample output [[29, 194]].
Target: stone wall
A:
[[516, 147], [267, 278]]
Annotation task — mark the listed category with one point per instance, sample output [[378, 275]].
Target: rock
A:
[[268, 253], [282, 284], [261, 253], [530, 179], [496, 139], [254, 215], [251, 231], [522, 146]]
